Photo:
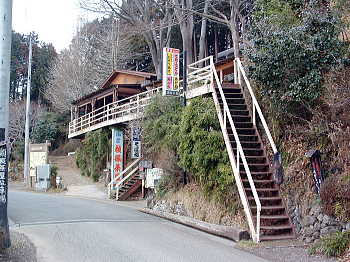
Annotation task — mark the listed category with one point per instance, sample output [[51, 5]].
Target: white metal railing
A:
[[132, 105], [119, 180], [199, 75], [225, 115], [255, 105]]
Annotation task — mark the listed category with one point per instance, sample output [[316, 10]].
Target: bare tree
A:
[[17, 119], [202, 43], [88, 61], [185, 19], [151, 18], [233, 13]]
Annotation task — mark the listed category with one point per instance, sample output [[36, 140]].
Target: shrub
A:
[[333, 245], [51, 126], [202, 149], [335, 197], [192, 136], [289, 60], [53, 170], [91, 157]]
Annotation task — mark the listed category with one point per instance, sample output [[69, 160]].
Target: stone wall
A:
[[311, 223]]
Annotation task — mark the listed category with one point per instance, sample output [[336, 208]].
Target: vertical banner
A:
[[136, 142], [4, 194], [171, 72], [117, 153]]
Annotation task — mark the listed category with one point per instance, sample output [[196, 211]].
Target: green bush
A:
[[52, 127], [333, 245], [202, 150], [194, 136], [91, 157], [289, 57], [53, 170], [160, 125]]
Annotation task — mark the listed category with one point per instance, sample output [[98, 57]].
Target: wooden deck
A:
[[199, 83]]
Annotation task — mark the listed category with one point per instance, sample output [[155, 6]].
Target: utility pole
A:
[[26, 142], [5, 56]]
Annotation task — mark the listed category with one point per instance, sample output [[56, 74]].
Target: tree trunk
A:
[[202, 44]]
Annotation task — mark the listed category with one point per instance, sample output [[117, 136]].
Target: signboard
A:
[[117, 153], [171, 72], [38, 157], [153, 176], [3, 195], [136, 142], [3, 174]]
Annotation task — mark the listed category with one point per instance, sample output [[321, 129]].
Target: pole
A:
[[5, 56], [184, 78], [26, 142]]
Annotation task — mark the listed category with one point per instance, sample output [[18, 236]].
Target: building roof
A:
[[106, 84], [128, 72], [100, 91]]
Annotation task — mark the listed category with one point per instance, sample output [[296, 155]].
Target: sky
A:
[[55, 21]]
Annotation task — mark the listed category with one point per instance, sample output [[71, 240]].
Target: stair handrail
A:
[[256, 106], [240, 153], [120, 183], [126, 170]]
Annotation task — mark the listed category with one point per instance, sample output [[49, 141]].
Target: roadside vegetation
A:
[[91, 157], [187, 143]]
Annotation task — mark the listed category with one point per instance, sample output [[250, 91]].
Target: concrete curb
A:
[[232, 233]]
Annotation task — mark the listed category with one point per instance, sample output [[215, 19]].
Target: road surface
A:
[[72, 229]]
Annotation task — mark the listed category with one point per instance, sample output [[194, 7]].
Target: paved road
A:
[[68, 229]]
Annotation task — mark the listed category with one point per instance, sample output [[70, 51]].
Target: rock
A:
[[316, 235], [309, 240], [347, 226], [308, 220], [317, 226], [329, 230], [308, 232], [315, 210], [326, 220]]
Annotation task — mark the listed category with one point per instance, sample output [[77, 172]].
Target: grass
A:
[[200, 207], [333, 245]]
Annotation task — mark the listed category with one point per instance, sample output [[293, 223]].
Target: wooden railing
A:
[[240, 156], [120, 111]]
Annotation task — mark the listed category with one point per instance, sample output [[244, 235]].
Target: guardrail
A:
[[128, 107], [240, 156], [118, 181]]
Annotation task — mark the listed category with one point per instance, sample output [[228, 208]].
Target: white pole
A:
[[5, 56], [26, 142]]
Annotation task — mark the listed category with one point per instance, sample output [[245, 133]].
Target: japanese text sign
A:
[[136, 142], [171, 71], [3, 174], [117, 153]]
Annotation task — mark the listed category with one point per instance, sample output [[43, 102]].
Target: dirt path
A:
[[77, 185]]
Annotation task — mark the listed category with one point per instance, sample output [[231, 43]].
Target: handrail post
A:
[[138, 104], [237, 158], [235, 71], [238, 73]]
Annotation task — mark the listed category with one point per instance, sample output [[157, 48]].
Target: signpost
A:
[[136, 142], [117, 153], [171, 72]]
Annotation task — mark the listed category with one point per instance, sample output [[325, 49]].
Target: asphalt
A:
[[68, 229]]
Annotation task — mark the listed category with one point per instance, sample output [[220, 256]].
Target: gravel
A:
[[21, 250]]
